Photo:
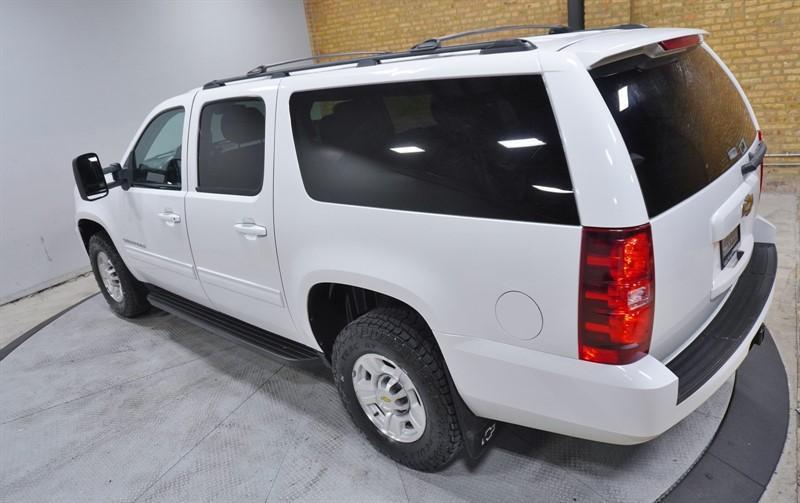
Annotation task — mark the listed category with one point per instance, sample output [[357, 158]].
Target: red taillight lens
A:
[[761, 168], [617, 294], [680, 42]]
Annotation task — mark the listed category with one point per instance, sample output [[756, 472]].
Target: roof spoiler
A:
[[649, 52]]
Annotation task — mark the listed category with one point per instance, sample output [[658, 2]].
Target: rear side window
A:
[[230, 158], [481, 147], [684, 123]]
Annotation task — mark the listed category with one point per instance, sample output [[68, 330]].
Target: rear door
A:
[[230, 205], [689, 131]]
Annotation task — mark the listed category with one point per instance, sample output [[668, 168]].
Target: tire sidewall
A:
[[356, 343], [126, 307]]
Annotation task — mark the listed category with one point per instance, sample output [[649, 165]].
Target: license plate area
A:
[[728, 246]]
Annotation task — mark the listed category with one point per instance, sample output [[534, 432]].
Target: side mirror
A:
[[89, 177]]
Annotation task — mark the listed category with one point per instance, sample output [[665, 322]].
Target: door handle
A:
[[169, 217], [250, 231]]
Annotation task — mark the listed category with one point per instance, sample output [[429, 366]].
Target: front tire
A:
[[125, 295], [392, 380]]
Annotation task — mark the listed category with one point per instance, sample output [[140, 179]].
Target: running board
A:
[[252, 337]]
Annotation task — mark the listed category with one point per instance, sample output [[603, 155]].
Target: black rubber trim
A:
[[740, 461], [273, 345], [755, 159], [701, 359], [11, 346]]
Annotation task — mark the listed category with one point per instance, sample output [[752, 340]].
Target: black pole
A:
[[575, 18]]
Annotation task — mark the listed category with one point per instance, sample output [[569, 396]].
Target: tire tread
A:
[[406, 331], [134, 302]]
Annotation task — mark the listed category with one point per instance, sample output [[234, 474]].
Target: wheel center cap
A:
[[389, 398]]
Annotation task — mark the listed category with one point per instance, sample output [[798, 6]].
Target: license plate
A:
[[728, 246]]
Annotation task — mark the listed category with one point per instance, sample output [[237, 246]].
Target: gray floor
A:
[[21, 315], [96, 408]]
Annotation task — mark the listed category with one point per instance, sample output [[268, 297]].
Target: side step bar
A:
[[257, 339]]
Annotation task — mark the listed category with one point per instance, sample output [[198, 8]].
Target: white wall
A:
[[78, 76]]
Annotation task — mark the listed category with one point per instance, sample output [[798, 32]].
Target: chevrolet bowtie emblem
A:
[[747, 205]]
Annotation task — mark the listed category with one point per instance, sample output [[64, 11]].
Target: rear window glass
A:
[[483, 147], [684, 124]]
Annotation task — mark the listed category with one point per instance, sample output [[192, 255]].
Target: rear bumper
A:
[[748, 301], [624, 404]]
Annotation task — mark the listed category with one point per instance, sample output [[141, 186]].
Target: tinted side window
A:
[[156, 159], [483, 147], [230, 157]]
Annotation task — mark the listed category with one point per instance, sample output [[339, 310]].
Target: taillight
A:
[[761, 167], [617, 294], [680, 42]]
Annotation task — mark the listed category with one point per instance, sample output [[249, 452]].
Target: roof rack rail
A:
[[625, 26], [436, 43], [373, 58], [263, 70], [427, 47]]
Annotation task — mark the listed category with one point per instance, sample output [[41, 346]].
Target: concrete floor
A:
[[780, 204], [23, 314], [98, 408]]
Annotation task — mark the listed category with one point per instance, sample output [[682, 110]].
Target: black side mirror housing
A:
[[90, 177], [120, 174]]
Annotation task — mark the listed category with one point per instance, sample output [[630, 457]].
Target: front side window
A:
[[156, 159], [483, 147], [230, 158]]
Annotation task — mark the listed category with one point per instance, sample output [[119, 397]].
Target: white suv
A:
[[558, 231]]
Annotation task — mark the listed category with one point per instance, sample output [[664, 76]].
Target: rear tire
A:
[[126, 296], [412, 368]]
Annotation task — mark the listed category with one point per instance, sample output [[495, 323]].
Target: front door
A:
[[153, 224], [229, 206]]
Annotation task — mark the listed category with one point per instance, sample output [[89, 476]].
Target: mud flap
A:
[[476, 431]]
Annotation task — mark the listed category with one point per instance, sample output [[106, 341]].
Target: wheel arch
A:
[[332, 302], [89, 225], [87, 228], [475, 431]]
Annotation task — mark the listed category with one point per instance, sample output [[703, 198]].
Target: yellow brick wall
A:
[[759, 40], [351, 25], [607, 12]]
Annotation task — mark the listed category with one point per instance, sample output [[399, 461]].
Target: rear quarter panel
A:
[[606, 188], [451, 269]]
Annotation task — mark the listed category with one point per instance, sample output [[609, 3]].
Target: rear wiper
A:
[[755, 160]]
